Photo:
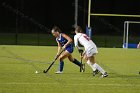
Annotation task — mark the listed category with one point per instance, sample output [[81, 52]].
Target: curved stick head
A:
[[44, 71]]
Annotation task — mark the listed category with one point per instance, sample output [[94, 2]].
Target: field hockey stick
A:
[[81, 63], [45, 71], [81, 53]]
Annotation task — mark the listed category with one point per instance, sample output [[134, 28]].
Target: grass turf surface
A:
[[19, 63]]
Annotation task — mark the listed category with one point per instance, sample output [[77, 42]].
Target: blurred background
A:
[[28, 22]]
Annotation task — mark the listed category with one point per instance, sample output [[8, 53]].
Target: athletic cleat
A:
[[95, 72], [104, 75], [58, 72], [83, 67]]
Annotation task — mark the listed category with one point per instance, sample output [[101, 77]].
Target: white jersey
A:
[[85, 41]]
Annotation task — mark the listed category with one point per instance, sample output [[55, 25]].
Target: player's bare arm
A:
[[59, 47], [68, 38]]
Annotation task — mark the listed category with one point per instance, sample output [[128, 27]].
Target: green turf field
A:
[[19, 63]]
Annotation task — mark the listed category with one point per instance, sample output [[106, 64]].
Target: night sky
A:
[[61, 12]]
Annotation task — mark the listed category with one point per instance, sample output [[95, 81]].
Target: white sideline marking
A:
[[119, 85]]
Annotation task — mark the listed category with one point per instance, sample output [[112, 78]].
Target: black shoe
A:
[[104, 75], [95, 72]]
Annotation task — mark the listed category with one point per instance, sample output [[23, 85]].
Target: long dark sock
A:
[[61, 66], [77, 62]]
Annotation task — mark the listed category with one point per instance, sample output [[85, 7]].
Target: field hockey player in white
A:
[[89, 52]]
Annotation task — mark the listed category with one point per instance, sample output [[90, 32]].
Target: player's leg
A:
[[88, 62], [61, 58], [75, 61], [98, 67], [91, 61], [90, 53]]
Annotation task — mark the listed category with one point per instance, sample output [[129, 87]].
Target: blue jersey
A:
[[63, 41]]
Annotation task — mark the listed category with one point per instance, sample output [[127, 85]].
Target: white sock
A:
[[89, 63], [98, 67]]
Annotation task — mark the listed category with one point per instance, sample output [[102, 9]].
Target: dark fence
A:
[[49, 40]]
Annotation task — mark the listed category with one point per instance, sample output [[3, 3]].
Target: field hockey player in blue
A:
[[64, 42]]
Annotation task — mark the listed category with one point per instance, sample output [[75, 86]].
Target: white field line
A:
[[82, 84]]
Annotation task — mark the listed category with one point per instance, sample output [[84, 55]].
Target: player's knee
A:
[[61, 58], [71, 60]]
